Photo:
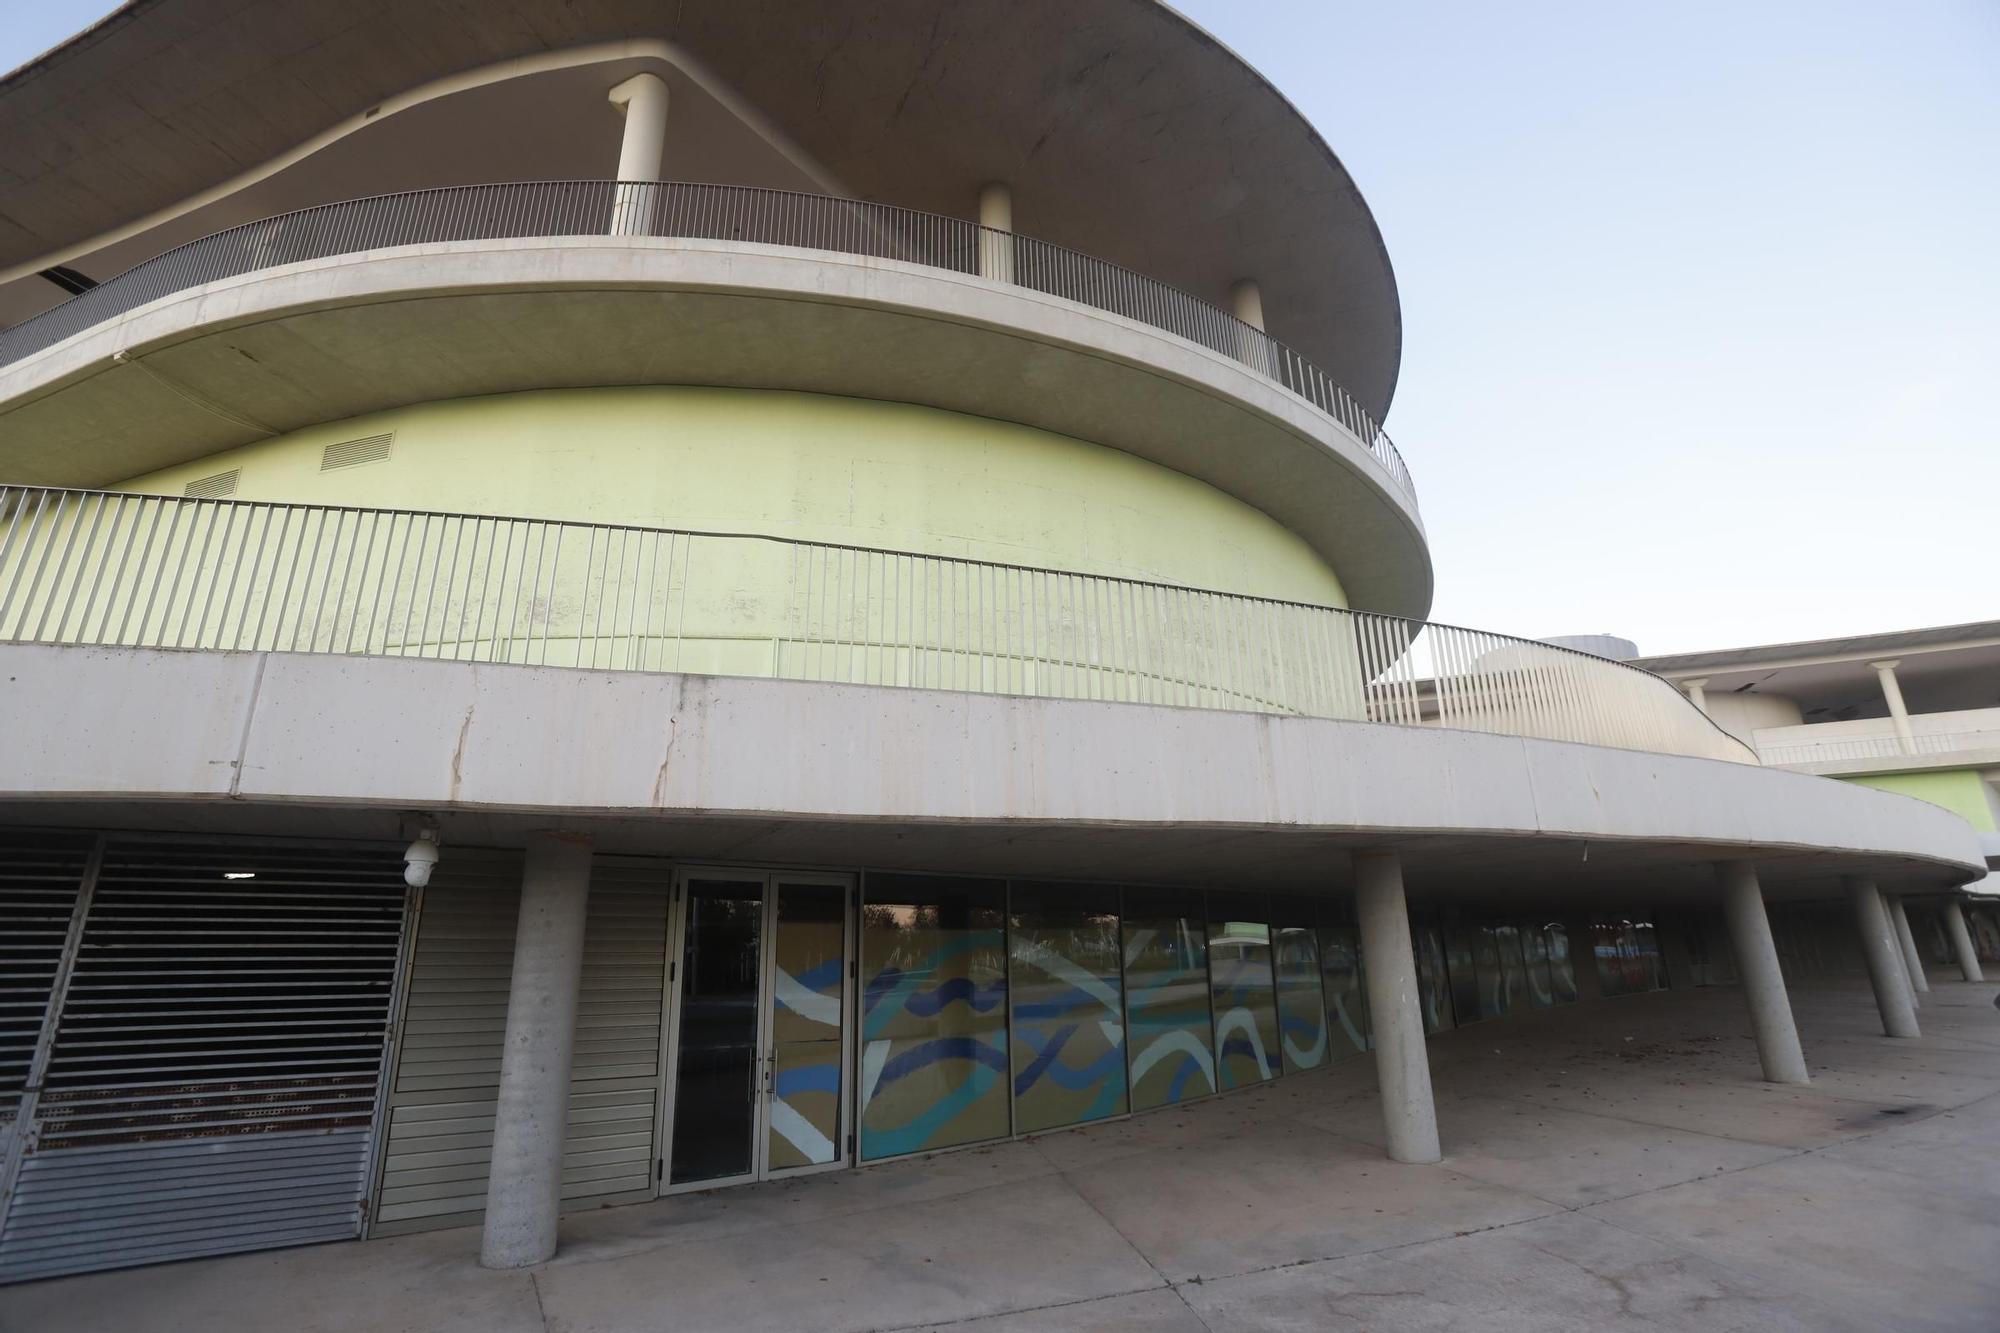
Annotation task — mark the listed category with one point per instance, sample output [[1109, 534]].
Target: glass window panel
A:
[[1246, 1009], [1168, 1035], [1492, 985], [1535, 952], [933, 1013], [1302, 1032], [1428, 943], [1606, 946], [715, 1076], [809, 955], [1460, 971], [1346, 996], [1067, 1035], [1513, 971], [1562, 968], [1647, 969]]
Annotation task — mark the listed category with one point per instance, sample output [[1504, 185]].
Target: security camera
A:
[[419, 858]]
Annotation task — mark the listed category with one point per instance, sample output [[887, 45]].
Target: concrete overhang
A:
[[222, 365], [798, 773], [1125, 130]]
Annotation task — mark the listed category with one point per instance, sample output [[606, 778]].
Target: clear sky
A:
[[1701, 299]]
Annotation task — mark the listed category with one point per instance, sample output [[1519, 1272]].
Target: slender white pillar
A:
[[1892, 695], [524, 1190], [1961, 941], [1402, 1064], [1763, 981], [1697, 692], [1913, 961], [643, 100], [1878, 949], [1246, 302], [996, 235]]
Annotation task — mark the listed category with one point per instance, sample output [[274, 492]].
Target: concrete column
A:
[[643, 101], [1697, 692], [1878, 949], [1246, 302], [1763, 981], [1912, 961], [1961, 941], [1402, 1064], [1892, 695], [996, 235], [524, 1190]]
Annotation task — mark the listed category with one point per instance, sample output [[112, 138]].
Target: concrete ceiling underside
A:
[[1477, 869], [1126, 131]]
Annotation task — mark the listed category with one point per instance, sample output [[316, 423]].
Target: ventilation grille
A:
[[215, 487], [353, 453]]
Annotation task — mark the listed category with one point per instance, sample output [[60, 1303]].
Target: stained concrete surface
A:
[[1619, 1163]]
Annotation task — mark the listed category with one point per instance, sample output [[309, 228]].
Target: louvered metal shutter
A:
[[211, 1078], [441, 1102]]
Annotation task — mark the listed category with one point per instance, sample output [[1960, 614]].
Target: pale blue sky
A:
[[1701, 299]]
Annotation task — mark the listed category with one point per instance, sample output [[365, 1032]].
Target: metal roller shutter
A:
[[211, 1077], [440, 1129]]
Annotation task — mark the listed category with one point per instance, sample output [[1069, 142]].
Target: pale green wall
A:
[[796, 465], [1959, 790]]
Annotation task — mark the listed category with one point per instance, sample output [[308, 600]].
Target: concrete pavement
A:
[[1618, 1162]]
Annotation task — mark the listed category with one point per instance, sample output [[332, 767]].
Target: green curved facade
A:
[[792, 465]]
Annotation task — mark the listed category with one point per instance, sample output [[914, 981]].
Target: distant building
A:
[[1915, 712]]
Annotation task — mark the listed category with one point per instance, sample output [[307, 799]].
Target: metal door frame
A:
[[769, 881]]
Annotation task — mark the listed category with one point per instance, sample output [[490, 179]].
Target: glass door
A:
[[761, 1012]]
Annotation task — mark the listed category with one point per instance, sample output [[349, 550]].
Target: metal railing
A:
[[1855, 748], [93, 567], [704, 212]]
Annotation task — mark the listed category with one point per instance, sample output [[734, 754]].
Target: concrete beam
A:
[[295, 729]]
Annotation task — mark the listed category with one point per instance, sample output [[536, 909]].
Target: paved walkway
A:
[[1620, 1161]]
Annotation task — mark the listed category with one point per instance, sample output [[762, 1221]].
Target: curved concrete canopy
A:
[[219, 366], [1126, 131], [782, 771]]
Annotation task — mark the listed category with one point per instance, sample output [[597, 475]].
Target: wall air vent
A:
[[215, 487], [353, 453]]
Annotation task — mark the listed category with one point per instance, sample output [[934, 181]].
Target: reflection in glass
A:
[[1428, 944], [1346, 1000], [1168, 1036], [810, 959], [933, 1013], [1492, 984], [1459, 970], [1535, 952], [1246, 1010], [1649, 975], [1513, 975], [715, 1081], [1562, 968], [1301, 1005], [1067, 1034]]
